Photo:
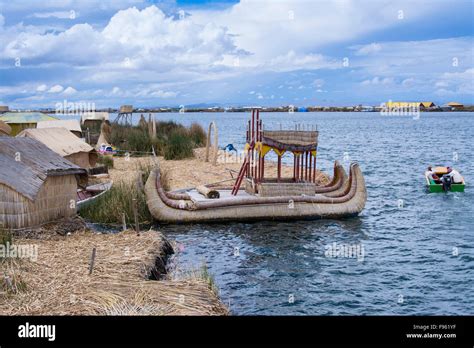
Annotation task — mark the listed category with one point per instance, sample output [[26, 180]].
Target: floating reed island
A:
[[297, 197], [87, 273]]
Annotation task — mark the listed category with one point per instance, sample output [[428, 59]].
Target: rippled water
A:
[[418, 252]]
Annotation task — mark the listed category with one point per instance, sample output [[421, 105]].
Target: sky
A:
[[152, 53]]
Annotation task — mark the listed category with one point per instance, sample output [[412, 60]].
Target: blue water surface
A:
[[418, 248]]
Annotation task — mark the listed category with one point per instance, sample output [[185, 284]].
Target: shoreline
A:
[[130, 276]]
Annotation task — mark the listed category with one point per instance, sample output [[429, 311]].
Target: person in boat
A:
[[433, 176], [456, 178]]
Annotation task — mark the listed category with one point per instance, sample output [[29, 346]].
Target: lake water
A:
[[418, 248]]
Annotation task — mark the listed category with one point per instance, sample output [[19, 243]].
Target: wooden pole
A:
[[297, 167], [302, 167], [135, 214], [306, 167], [124, 222], [310, 166], [248, 142], [279, 168], [294, 167], [91, 263], [314, 170]]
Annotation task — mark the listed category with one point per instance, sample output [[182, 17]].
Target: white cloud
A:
[[56, 89], [367, 49], [378, 81], [56, 14], [69, 91], [41, 88], [270, 31], [318, 83]]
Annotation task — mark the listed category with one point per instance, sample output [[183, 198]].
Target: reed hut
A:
[[5, 129], [74, 126], [23, 120], [64, 143], [36, 184], [93, 120]]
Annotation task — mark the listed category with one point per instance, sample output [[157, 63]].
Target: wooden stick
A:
[[91, 263], [135, 213], [124, 222]]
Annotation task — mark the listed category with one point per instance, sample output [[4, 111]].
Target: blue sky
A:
[[253, 52]]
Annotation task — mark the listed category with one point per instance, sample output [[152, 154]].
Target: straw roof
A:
[[60, 140], [291, 140], [26, 163], [94, 115], [25, 117], [70, 125], [5, 129]]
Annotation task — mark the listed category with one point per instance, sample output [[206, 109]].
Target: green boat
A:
[[437, 185]]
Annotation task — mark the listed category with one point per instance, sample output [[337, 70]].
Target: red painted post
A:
[[294, 167], [279, 168], [302, 167], [314, 171], [298, 167], [310, 166]]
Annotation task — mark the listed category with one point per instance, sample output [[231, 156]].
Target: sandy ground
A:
[[196, 171], [58, 281]]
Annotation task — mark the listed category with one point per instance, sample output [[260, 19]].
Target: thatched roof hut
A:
[[64, 143], [36, 184], [23, 120], [74, 126], [5, 129]]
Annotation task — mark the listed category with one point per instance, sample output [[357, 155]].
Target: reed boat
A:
[[441, 185], [344, 196], [264, 198], [90, 193]]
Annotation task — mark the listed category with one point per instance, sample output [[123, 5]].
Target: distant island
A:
[[421, 106]]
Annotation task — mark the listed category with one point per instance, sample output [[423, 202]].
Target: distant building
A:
[[4, 108], [405, 105], [427, 105], [65, 144], [24, 120], [455, 106], [74, 126]]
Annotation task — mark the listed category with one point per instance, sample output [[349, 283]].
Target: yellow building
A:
[[406, 105], [455, 105]]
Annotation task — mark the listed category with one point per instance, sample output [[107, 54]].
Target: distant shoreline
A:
[[469, 108]]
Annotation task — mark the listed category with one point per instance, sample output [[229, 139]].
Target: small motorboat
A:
[[444, 183], [87, 195]]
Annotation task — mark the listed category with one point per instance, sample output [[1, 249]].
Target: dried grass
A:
[[59, 282]]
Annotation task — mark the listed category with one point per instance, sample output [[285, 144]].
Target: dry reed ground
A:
[[195, 171], [58, 283]]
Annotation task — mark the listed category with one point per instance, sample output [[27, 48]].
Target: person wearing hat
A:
[[456, 178]]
